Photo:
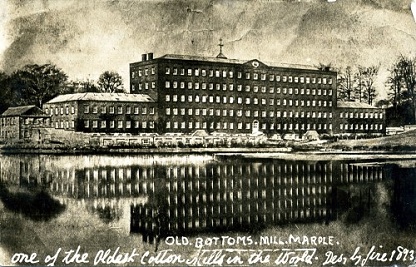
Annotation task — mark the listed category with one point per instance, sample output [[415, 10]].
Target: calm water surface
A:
[[100, 202]]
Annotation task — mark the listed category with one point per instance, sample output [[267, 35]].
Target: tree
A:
[[368, 75], [358, 84], [36, 84], [402, 82], [110, 82], [395, 84], [407, 70], [5, 95], [345, 84]]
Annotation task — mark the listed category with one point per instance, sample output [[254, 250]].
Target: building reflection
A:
[[183, 198]]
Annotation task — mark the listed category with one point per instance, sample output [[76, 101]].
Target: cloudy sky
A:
[[85, 38]]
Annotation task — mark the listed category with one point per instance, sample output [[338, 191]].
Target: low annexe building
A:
[[359, 118], [103, 112], [24, 123]]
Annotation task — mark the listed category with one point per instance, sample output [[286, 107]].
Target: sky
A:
[[86, 38]]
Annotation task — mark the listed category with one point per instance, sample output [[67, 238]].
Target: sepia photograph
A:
[[208, 133]]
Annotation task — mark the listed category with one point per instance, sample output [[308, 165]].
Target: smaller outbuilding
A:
[[24, 123]]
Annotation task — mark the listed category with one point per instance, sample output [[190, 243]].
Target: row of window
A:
[[247, 125], [362, 126], [120, 124], [60, 110], [361, 115], [247, 113], [144, 72], [247, 100], [247, 75], [9, 121], [247, 88], [120, 110], [144, 86]]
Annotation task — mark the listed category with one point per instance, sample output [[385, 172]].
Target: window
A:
[[86, 109], [204, 72], [119, 110], [248, 75], [86, 124], [111, 110], [182, 98], [119, 124], [144, 110], [167, 98], [247, 100], [128, 124], [255, 76], [167, 111], [167, 84], [128, 110]]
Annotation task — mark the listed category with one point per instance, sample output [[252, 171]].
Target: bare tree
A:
[[110, 82], [394, 82], [345, 84], [368, 77]]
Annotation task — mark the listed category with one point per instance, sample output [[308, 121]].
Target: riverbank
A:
[[165, 150], [397, 144]]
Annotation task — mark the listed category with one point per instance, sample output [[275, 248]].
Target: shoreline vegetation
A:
[[397, 144]]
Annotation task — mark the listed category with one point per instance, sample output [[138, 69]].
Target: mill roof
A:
[[352, 104], [110, 97], [30, 110]]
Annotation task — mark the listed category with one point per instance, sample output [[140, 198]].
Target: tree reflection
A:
[[37, 206]]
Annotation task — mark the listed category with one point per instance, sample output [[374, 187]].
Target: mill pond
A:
[[144, 205]]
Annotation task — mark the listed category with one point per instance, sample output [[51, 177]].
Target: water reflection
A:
[[184, 195], [38, 206]]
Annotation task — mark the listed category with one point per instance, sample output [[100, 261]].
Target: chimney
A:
[[150, 56], [144, 57]]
